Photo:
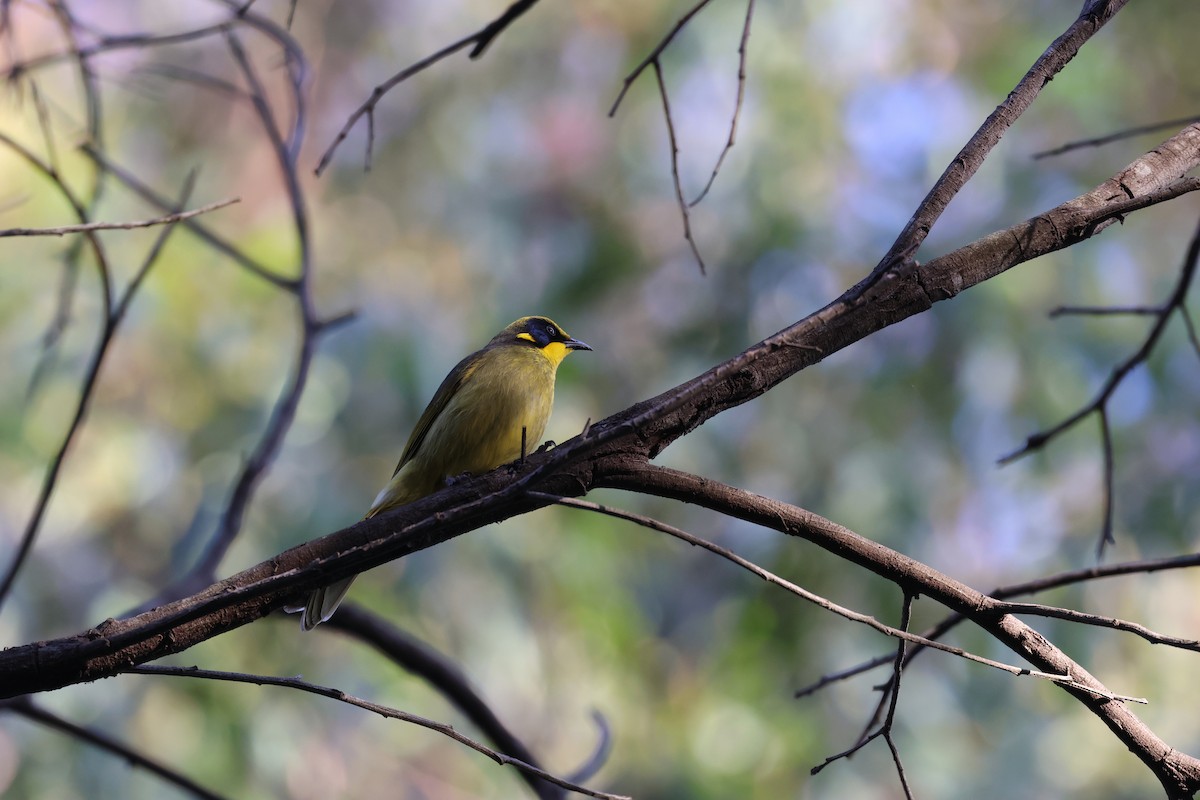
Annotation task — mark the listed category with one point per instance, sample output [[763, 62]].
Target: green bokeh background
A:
[[501, 188]]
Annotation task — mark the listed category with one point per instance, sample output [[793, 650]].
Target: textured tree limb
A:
[[627, 438], [642, 430]]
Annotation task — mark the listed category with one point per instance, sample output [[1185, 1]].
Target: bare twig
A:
[[1102, 311], [1071, 615], [27, 709], [966, 163], [1106, 528], [481, 38], [1115, 137], [382, 710], [683, 206], [138, 41], [419, 658], [890, 695], [1099, 403], [206, 235], [494, 28], [166, 219], [1191, 329], [653, 57], [1035, 586], [113, 315], [737, 105], [787, 585]]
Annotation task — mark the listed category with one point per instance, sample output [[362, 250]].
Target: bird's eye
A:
[[553, 334]]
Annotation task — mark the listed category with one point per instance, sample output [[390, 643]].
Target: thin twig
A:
[[1106, 442], [222, 245], [787, 585], [654, 54], [1099, 404], [683, 206], [110, 43], [118, 226], [481, 38], [1071, 615], [1035, 586], [448, 679], [1114, 137], [1191, 329], [737, 105], [964, 165], [1102, 311], [382, 710], [889, 697], [497, 26]]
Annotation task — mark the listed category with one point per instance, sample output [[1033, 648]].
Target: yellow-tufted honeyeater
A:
[[492, 404]]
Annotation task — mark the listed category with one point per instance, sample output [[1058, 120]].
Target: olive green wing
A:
[[441, 398]]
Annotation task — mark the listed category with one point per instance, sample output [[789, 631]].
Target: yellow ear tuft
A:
[[556, 352], [526, 336]]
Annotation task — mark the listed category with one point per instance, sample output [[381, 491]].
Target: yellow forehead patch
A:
[[526, 336]]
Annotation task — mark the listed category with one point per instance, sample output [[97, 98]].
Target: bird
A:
[[494, 402]]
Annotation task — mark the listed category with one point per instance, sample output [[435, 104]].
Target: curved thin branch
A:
[[804, 594], [1035, 586], [382, 710], [419, 658], [1128, 133]]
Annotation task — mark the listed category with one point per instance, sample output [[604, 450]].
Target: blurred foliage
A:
[[501, 188]]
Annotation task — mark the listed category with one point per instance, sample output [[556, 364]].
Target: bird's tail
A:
[[322, 603]]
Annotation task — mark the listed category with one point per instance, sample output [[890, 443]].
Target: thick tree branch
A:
[[641, 431], [625, 439]]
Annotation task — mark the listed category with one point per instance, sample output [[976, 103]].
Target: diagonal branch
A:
[[613, 447], [641, 431], [970, 158]]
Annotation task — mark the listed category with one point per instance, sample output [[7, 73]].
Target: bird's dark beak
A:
[[575, 344]]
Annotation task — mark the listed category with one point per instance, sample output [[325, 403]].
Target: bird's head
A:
[[542, 333]]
